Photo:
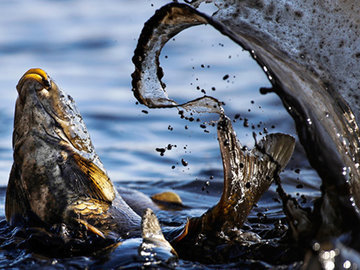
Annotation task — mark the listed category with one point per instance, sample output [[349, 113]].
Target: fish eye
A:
[[46, 83]]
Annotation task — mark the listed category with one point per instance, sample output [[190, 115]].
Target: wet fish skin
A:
[[58, 182], [57, 175], [247, 175]]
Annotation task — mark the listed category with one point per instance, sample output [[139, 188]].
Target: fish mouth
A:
[[37, 75], [44, 110], [39, 103]]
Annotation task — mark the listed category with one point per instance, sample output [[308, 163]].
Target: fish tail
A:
[[247, 175]]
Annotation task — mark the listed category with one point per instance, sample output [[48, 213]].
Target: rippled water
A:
[[86, 47]]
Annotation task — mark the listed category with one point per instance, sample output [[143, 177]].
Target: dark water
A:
[[86, 47]]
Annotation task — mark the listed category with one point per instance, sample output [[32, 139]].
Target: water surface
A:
[[86, 47]]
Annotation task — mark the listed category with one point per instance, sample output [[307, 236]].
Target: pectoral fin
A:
[[91, 228], [16, 204], [95, 179]]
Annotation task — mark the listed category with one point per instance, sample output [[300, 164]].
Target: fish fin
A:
[[168, 199], [247, 175], [183, 233], [152, 234], [15, 205], [99, 184], [278, 146], [150, 226], [91, 228]]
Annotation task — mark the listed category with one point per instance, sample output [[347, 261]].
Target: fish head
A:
[[43, 109], [55, 163]]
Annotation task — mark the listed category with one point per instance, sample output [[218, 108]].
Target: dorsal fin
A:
[[152, 235], [150, 227], [167, 197], [96, 180]]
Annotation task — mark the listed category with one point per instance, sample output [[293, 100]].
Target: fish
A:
[[309, 54], [59, 184], [57, 176]]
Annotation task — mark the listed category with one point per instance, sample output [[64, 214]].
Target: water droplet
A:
[[183, 162], [329, 265], [316, 246], [347, 264]]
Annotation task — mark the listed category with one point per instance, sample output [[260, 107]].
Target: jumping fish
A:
[[58, 182]]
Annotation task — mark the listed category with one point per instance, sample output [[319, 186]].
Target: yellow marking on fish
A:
[[86, 211], [91, 228], [36, 74], [91, 207], [38, 71], [80, 206]]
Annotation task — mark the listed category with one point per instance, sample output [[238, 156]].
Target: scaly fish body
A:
[[57, 175], [58, 180]]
